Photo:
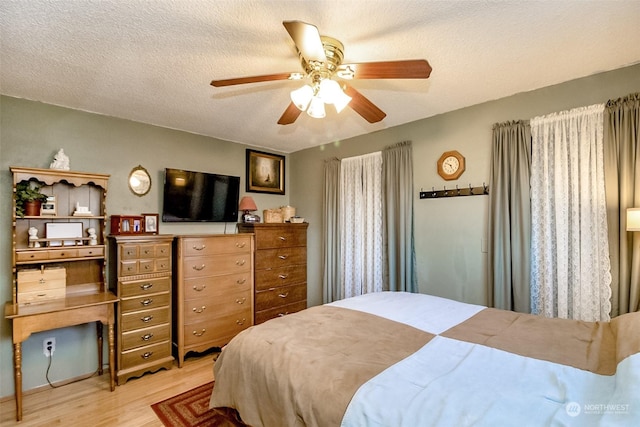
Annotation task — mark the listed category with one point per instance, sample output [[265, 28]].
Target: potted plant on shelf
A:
[[28, 199]]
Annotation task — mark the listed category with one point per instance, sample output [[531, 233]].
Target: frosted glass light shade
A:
[[316, 108], [301, 97], [633, 219], [341, 100]]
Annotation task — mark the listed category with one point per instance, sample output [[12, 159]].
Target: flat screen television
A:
[[200, 197]]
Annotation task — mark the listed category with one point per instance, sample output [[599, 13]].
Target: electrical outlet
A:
[[49, 346]]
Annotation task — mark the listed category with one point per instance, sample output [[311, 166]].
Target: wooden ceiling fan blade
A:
[[290, 115], [307, 40], [256, 79], [406, 69], [361, 105]]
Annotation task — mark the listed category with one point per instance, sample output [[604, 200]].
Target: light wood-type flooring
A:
[[90, 403]]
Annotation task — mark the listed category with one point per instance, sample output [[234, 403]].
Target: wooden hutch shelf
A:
[[81, 294]]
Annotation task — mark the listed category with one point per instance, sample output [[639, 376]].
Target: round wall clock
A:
[[450, 165]]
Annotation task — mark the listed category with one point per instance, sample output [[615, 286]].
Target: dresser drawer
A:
[[63, 253], [144, 266], [202, 246], [276, 297], [145, 319], [144, 287], [143, 355], [283, 276], [222, 326], [280, 237], [263, 316], [91, 251], [202, 287], [144, 302], [269, 258], [216, 265], [146, 336], [204, 309]]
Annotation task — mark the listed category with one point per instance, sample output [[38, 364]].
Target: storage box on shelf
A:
[[141, 277], [72, 288], [213, 290], [280, 268]]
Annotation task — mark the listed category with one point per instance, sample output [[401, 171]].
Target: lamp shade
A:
[[633, 219], [302, 96], [316, 108], [247, 204]]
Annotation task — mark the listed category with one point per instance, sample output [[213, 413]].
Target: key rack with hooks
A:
[[455, 192]]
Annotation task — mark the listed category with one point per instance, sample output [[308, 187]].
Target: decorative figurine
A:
[[93, 239], [33, 238], [60, 161]]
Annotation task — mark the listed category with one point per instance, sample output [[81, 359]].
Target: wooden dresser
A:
[[280, 268], [141, 273], [213, 290]]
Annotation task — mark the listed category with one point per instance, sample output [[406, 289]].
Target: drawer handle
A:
[[146, 319], [199, 310], [199, 334], [282, 256], [283, 314], [196, 268], [240, 262], [147, 354], [241, 322], [146, 302], [282, 238], [147, 252], [199, 289], [283, 276], [146, 267], [241, 281], [199, 248], [42, 281], [146, 286], [286, 294], [146, 337], [240, 300], [241, 244]]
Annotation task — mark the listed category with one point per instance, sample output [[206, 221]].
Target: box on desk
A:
[[41, 285]]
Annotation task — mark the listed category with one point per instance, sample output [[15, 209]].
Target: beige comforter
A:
[[303, 369]]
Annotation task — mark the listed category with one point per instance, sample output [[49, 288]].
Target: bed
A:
[[403, 359]]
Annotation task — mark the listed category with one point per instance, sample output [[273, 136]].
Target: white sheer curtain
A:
[[570, 267], [361, 224]]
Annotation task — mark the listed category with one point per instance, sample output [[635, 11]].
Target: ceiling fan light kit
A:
[[321, 59]]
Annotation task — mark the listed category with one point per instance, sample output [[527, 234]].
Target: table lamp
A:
[[247, 205], [633, 219]]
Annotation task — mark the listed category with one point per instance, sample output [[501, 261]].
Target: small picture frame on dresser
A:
[[150, 223], [48, 207]]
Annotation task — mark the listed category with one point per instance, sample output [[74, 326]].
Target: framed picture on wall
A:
[[150, 223], [265, 172]]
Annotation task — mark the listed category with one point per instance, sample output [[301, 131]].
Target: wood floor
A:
[[90, 403]]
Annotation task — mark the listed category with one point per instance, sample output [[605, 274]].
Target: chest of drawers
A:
[[141, 270], [213, 290], [280, 268]]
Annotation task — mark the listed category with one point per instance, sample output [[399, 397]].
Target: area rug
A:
[[191, 409]]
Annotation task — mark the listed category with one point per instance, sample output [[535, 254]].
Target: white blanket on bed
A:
[[508, 390], [425, 312]]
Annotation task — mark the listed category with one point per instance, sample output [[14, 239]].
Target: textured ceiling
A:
[[152, 61]]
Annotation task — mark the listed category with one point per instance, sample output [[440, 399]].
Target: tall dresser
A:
[[141, 275], [280, 268], [213, 290]]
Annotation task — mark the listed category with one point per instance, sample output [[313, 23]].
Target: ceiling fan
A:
[[321, 58]]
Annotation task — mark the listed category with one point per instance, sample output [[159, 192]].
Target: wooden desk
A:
[[61, 313]]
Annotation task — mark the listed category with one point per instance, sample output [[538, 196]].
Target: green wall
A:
[[449, 233], [30, 134]]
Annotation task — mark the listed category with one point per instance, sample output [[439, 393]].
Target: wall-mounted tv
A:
[[200, 197]]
